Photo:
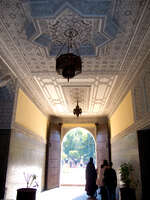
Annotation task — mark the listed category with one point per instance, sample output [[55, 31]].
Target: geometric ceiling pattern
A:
[[91, 96], [113, 38], [91, 21]]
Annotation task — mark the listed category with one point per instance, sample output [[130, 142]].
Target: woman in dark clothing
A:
[[91, 176]]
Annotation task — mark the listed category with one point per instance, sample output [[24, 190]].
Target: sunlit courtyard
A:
[[73, 176], [78, 146]]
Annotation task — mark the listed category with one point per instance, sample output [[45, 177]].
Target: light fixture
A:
[[69, 65], [77, 110]]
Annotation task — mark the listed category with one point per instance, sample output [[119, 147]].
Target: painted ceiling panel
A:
[[113, 39]]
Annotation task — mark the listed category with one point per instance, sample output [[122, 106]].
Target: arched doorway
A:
[[77, 146]]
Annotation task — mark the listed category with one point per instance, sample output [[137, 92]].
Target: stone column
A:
[[102, 143]]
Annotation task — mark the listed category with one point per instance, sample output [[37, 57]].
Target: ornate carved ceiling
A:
[[113, 40]]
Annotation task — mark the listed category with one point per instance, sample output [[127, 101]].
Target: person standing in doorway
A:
[[110, 182], [91, 176], [100, 182]]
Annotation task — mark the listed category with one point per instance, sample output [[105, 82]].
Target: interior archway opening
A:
[[78, 145]]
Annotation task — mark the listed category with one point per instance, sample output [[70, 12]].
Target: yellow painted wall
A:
[[29, 116], [123, 117]]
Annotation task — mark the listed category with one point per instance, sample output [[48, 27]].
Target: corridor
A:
[[65, 193]]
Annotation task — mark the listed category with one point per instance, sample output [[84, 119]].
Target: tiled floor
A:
[[65, 193]]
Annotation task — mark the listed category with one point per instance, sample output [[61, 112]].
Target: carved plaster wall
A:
[[113, 39], [141, 92]]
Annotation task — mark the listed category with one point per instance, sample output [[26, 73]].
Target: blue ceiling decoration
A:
[[92, 19], [87, 8]]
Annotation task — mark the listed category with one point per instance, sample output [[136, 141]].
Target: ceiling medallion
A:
[[77, 110], [69, 64]]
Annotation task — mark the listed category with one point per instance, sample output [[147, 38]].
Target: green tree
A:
[[64, 156], [74, 155], [80, 143]]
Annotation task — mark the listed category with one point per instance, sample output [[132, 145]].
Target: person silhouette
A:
[[110, 182], [91, 176], [100, 180]]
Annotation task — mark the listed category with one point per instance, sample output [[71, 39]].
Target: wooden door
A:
[[4, 151], [53, 156], [144, 154]]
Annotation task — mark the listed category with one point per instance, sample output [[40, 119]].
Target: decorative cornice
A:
[[31, 90], [133, 73]]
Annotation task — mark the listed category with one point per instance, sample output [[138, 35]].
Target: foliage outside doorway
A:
[[78, 146]]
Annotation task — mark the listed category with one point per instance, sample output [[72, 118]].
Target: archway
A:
[[77, 146]]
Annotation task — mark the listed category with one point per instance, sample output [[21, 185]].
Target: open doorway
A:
[[78, 145], [144, 149]]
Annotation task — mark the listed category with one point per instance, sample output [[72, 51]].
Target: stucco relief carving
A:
[[63, 97], [6, 78], [116, 61], [142, 91], [139, 101], [133, 59]]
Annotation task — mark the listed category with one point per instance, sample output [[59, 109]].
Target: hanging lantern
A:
[[69, 65], [77, 110]]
